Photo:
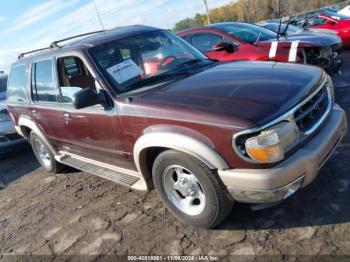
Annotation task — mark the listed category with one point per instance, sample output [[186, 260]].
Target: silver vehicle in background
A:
[[9, 139]]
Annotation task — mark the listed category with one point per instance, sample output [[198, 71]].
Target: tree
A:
[[252, 11]]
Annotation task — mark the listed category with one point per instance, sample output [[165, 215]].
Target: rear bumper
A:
[[299, 170]]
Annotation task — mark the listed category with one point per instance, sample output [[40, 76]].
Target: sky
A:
[[31, 24]]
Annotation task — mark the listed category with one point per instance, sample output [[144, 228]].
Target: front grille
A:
[[308, 115], [13, 136]]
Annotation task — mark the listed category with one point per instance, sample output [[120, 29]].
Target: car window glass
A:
[[73, 76], [17, 85], [151, 54], [125, 53], [43, 84], [205, 42], [187, 38], [247, 32]]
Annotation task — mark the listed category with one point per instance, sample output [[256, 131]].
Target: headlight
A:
[[271, 144]]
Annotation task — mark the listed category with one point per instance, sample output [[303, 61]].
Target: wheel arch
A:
[[26, 126], [157, 139]]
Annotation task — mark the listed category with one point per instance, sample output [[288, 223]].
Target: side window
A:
[[187, 38], [205, 42], [17, 85], [43, 83], [73, 76]]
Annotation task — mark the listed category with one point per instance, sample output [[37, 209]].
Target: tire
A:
[[44, 155], [190, 190]]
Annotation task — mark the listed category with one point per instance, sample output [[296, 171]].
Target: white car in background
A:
[[345, 11], [9, 139]]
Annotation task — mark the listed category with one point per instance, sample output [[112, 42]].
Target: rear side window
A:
[[17, 84], [205, 42], [43, 84]]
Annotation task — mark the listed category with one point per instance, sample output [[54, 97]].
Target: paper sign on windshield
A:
[[124, 71]]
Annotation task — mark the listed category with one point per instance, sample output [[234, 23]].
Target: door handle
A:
[[67, 116]]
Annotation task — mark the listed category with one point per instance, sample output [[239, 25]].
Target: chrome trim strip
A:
[[289, 116]]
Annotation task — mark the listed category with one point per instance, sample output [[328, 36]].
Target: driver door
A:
[[93, 132]]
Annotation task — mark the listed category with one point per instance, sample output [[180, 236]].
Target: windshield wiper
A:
[[191, 62], [156, 79]]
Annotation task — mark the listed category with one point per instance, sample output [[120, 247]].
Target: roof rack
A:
[[55, 43], [21, 55]]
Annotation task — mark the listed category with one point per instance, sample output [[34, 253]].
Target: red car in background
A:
[[241, 41], [321, 20], [341, 26]]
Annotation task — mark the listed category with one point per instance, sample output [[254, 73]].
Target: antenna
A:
[[280, 16], [98, 14]]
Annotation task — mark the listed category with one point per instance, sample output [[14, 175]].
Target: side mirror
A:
[[87, 97], [230, 48]]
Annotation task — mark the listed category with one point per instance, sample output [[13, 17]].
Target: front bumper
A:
[[299, 170]]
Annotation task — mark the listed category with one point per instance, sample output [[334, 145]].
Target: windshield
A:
[[134, 62], [3, 82], [247, 32]]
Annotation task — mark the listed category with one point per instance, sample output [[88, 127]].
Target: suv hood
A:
[[254, 91], [311, 39]]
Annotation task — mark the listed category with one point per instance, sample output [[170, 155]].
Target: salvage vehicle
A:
[[203, 133], [234, 41], [9, 139], [315, 21]]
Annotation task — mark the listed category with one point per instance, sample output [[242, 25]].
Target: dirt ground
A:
[[75, 213]]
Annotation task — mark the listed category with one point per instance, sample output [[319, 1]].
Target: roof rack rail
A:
[[55, 43], [21, 55]]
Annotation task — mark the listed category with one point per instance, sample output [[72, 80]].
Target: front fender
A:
[[182, 139]]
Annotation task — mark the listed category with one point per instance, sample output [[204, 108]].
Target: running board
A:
[[118, 175]]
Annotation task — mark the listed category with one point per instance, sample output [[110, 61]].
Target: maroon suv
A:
[[140, 106]]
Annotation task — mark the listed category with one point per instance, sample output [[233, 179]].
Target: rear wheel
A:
[[190, 190], [44, 154]]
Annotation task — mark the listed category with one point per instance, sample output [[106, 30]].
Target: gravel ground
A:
[[78, 214]]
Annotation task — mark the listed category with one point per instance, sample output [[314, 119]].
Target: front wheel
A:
[[190, 190]]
